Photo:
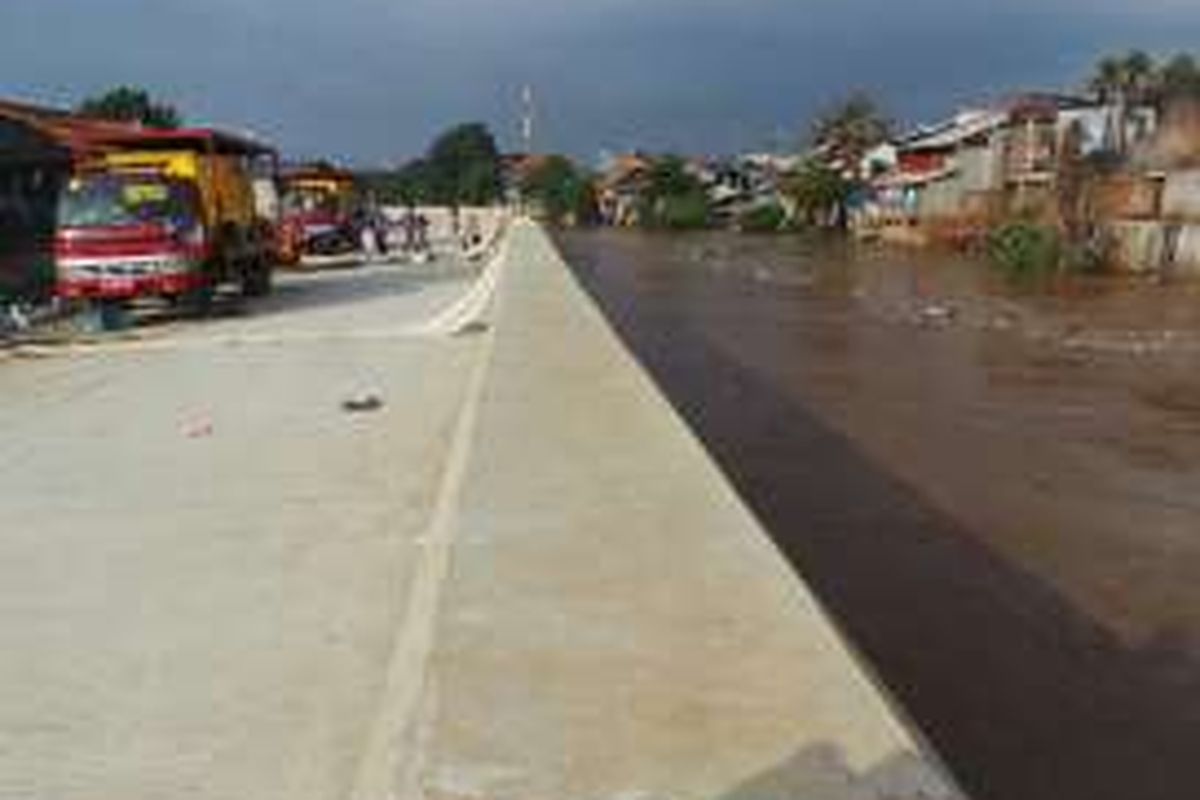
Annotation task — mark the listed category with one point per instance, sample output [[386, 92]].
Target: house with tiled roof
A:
[[620, 187]]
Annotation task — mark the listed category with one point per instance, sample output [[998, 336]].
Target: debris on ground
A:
[[472, 329], [937, 314], [200, 428], [362, 403]]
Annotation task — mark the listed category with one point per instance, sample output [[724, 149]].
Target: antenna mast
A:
[[527, 119]]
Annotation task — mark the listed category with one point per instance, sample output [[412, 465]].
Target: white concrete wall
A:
[[489, 219], [980, 167], [1138, 246], [1181, 195], [1187, 250], [941, 198]]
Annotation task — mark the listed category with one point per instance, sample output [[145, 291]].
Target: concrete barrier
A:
[[1181, 195], [613, 622], [1138, 246], [1156, 246], [1186, 256]]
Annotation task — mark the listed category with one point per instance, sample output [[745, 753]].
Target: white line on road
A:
[[391, 765]]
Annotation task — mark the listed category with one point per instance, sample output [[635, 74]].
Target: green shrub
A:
[[763, 219], [1025, 249], [683, 211]]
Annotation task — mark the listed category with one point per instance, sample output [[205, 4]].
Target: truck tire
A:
[[256, 278], [198, 302], [114, 315], [102, 316]]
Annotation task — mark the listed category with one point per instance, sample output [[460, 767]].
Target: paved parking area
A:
[[203, 558]]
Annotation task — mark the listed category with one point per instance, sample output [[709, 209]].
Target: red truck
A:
[[318, 202], [168, 214]]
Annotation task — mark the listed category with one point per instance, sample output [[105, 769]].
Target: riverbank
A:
[[1001, 517], [387, 535], [615, 624]]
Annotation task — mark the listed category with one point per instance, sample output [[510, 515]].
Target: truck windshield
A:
[[104, 201], [308, 199]]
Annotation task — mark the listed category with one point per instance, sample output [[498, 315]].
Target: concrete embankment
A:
[[611, 620]]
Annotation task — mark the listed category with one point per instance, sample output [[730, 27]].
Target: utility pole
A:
[[527, 119]]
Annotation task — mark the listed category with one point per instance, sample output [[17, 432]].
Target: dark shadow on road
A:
[[1025, 697], [300, 292], [292, 293]]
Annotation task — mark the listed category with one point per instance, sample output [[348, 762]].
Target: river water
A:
[[994, 488]]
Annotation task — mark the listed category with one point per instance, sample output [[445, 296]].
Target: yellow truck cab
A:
[[168, 214]]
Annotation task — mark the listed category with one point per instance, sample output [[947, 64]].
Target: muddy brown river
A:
[[995, 488]]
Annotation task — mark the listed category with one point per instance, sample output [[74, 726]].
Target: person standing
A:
[[380, 224], [366, 235]]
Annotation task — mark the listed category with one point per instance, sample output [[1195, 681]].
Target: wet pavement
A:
[[993, 487]]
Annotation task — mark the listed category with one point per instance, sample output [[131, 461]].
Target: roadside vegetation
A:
[[673, 198], [1025, 250], [460, 168], [770, 218], [819, 193], [840, 140], [562, 192]]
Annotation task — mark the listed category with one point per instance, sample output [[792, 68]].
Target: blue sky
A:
[[370, 81]]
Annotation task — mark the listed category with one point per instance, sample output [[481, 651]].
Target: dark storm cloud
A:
[[371, 80]]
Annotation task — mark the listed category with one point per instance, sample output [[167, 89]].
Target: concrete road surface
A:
[[520, 579], [614, 624], [203, 558]]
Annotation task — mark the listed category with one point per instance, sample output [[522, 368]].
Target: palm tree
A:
[[1129, 78], [850, 129], [1179, 78], [1122, 82], [1141, 75], [842, 136], [1107, 80]]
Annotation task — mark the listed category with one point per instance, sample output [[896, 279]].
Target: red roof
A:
[[79, 133], [62, 127]]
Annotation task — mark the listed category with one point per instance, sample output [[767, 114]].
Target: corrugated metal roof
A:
[[951, 133], [901, 179]]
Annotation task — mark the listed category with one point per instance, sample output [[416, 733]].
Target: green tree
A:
[[688, 211], [1179, 78], [562, 190], [850, 129], [669, 176], [841, 138], [131, 104], [1125, 82], [463, 167], [413, 183], [673, 197], [767, 218], [819, 191]]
